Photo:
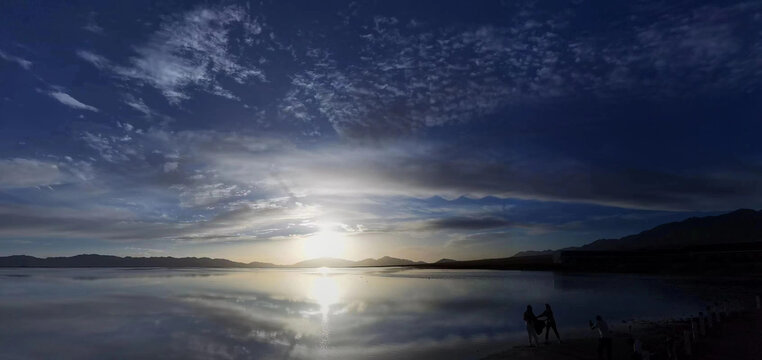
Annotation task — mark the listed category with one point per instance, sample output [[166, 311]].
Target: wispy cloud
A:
[[24, 63], [192, 50], [96, 60], [69, 101], [92, 26], [19, 173], [138, 104], [28, 172]]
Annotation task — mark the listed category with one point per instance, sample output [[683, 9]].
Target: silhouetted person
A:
[[530, 319], [550, 322], [604, 341]]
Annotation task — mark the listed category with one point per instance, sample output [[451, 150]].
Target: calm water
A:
[[306, 314]]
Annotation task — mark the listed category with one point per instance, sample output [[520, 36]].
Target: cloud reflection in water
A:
[[300, 314]]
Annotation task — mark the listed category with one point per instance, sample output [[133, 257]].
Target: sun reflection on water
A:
[[325, 291]]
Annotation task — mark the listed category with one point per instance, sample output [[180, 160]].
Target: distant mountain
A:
[[93, 260], [333, 262], [257, 264], [387, 261], [666, 247], [536, 252], [324, 262], [739, 226], [539, 262]]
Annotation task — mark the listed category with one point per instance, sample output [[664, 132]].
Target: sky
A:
[[284, 130]]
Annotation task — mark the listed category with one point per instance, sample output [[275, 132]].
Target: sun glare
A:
[[324, 290], [327, 242]]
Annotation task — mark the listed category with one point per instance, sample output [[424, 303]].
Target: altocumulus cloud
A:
[[407, 76], [190, 50]]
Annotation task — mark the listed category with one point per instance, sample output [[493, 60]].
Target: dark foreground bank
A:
[[726, 331]]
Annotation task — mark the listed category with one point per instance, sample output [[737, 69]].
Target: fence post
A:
[[687, 342], [694, 331], [702, 323]]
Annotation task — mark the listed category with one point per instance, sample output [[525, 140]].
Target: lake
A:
[[360, 313]]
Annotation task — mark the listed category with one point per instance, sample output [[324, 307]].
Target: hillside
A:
[[333, 262], [93, 260], [739, 226], [386, 261]]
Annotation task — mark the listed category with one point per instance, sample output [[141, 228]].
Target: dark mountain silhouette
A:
[[537, 252], [324, 262], [257, 264], [387, 261], [739, 226], [93, 260], [333, 262], [540, 262], [728, 243], [690, 241]]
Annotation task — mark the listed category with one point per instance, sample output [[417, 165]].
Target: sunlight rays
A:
[[326, 242]]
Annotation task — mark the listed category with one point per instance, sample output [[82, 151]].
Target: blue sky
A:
[[268, 130]]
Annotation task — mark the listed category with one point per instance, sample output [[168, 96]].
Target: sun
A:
[[326, 242]]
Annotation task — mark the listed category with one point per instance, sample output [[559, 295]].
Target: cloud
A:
[[465, 223], [403, 79], [191, 50], [92, 26], [96, 60], [170, 166], [20, 173], [245, 222], [382, 78], [138, 104], [26, 64], [418, 170], [230, 186], [69, 101], [110, 148]]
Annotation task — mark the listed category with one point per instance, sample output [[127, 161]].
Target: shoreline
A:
[[737, 335]]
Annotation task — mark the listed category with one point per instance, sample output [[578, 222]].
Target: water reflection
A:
[[324, 290], [297, 314]]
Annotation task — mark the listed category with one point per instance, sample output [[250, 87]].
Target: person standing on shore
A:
[[604, 341], [530, 319], [550, 322]]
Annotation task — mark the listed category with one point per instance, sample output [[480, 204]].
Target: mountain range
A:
[[737, 227], [333, 262], [94, 260], [740, 226]]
